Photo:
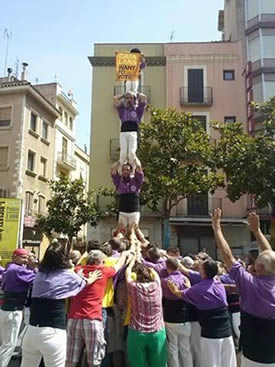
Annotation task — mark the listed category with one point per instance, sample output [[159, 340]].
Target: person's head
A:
[[106, 248], [143, 273], [154, 254], [265, 263], [135, 51], [202, 255], [187, 261], [74, 256], [54, 258], [208, 268], [95, 257], [173, 251], [221, 268], [172, 264], [115, 244], [130, 99], [126, 170], [20, 256], [252, 256], [93, 245]]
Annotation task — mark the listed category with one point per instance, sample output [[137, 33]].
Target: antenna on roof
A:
[[7, 35], [172, 36], [16, 67]]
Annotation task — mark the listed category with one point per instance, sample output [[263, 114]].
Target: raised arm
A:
[[118, 100], [142, 98], [254, 226], [114, 168], [222, 244]]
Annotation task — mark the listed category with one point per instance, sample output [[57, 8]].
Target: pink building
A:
[[207, 80]]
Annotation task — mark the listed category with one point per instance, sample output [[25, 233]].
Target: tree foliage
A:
[[177, 157], [69, 208]]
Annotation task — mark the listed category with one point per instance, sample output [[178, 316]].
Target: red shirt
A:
[[88, 303]]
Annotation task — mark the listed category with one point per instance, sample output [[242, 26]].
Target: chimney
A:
[[9, 70], [24, 72]]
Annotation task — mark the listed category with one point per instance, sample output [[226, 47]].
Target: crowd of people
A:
[[127, 302]]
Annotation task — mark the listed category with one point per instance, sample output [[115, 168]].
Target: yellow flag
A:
[[10, 211], [127, 66]]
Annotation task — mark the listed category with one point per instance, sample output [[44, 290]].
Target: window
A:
[[230, 119], [3, 193], [61, 113], [252, 8], [45, 130], [28, 203], [33, 124], [229, 75], [5, 116], [269, 89], [64, 149], [4, 155], [195, 85], [201, 119], [43, 162], [41, 205], [31, 160], [71, 123], [66, 118], [254, 49]]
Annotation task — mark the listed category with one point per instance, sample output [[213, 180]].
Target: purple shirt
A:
[[209, 294], [194, 277], [257, 293], [131, 114], [226, 279], [17, 278], [58, 284], [130, 186], [158, 266], [177, 277]]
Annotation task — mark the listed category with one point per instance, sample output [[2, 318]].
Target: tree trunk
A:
[[166, 232]]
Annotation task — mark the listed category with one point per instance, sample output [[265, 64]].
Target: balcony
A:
[[199, 206], [114, 149], [66, 161], [196, 97], [145, 89]]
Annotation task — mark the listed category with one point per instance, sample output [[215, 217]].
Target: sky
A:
[[55, 37]]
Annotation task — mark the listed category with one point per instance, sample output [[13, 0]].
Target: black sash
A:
[[129, 126], [175, 311], [48, 313], [258, 338], [215, 324], [129, 203], [14, 301]]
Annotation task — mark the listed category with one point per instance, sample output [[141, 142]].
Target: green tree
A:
[[69, 209], [177, 157], [249, 161]]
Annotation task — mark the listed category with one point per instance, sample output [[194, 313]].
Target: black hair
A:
[[210, 267], [55, 258], [154, 254], [106, 248], [173, 250], [135, 50], [128, 164], [93, 245], [115, 243], [143, 273]]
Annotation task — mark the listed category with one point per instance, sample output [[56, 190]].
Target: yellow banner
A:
[[127, 66], [10, 212]]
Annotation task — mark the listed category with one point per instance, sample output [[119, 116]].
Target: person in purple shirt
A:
[[16, 280], [209, 297], [128, 189], [257, 295], [130, 109], [133, 85], [46, 332]]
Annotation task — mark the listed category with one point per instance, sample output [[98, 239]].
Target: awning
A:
[[204, 221]]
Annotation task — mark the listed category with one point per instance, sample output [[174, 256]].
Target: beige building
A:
[[105, 123], [27, 145], [202, 78]]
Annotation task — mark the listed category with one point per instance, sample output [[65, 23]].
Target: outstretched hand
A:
[[93, 276], [173, 288], [216, 219], [253, 222]]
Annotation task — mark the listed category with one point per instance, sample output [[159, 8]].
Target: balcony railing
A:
[[198, 206], [196, 96], [66, 161], [114, 149], [145, 89]]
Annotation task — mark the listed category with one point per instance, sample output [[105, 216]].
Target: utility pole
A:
[[7, 36], [172, 36]]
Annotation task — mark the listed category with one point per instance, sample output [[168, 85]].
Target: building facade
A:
[[27, 145], [202, 78]]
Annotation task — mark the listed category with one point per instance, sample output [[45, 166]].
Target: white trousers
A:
[[248, 363], [10, 322], [218, 352], [178, 337], [128, 219], [198, 360], [132, 86], [236, 321], [128, 148], [47, 342]]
